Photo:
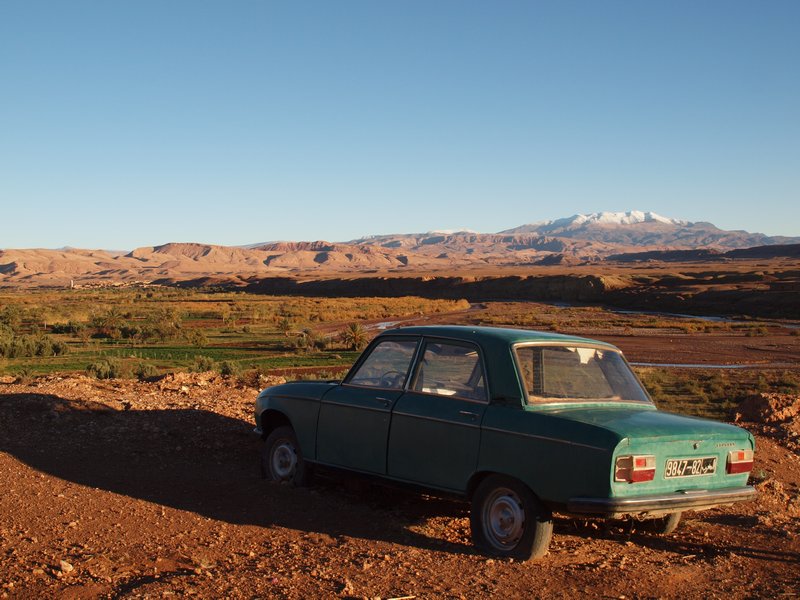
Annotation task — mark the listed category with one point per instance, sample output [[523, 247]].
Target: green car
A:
[[523, 423]]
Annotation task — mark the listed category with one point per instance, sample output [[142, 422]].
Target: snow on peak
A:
[[631, 217], [625, 218], [449, 231]]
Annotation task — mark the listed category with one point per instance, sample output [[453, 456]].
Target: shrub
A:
[[15, 346], [229, 368], [145, 370], [252, 377], [23, 375], [107, 368], [44, 346], [203, 363], [72, 327], [197, 338]]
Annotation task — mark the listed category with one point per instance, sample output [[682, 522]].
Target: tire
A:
[[666, 524], [281, 459], [507, 519]]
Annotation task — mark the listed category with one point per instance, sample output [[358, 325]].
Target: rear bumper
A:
[[660, 503]]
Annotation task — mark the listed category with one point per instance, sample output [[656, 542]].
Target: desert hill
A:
[[579, 240]]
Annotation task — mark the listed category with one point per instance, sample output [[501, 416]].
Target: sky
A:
[[128, 124]]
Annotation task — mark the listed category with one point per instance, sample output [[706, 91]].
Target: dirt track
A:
[[126, 489]]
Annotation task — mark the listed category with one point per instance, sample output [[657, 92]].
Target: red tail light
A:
[[739, 461], [635, 469]]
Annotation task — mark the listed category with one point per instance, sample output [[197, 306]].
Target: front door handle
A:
[[385, 401], [473, 416]]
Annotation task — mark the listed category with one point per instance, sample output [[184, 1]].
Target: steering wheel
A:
[[391, 379]]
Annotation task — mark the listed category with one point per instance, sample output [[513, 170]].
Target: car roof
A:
[[491, 334]]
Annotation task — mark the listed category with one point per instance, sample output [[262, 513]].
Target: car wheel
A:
[[508, 520], [281, 459], [666, 524]]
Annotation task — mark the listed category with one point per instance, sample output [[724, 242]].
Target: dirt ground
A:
[[121, 489]]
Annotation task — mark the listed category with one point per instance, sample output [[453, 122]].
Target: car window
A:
[[386, 366], [564, 373], [449, 369]]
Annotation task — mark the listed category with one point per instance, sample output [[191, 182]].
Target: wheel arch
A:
[[271, 419], [479, 476]]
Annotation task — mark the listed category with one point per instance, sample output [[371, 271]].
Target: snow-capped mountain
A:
[[646, 229], [632, 217], [582, 235]]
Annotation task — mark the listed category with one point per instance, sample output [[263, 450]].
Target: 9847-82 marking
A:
[[690, 467]]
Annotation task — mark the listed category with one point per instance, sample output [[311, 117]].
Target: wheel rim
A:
[[503, 519], [284, 460]]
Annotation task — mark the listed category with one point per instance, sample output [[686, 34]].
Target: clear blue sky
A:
[[127, 124]]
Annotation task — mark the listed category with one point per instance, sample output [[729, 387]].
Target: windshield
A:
[[576, 374]]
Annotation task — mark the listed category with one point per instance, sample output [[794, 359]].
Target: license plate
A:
[[690, 467]]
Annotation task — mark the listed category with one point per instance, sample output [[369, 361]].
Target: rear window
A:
[[576, 374]]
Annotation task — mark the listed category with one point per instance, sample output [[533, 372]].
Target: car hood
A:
[[643, 423]]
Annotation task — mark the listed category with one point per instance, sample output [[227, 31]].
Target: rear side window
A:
[[449, 369], [386, 366]]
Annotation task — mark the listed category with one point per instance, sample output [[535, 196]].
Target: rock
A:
[[768, 408], [65, 567]]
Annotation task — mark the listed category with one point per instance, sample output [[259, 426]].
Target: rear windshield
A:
[[576, 374]]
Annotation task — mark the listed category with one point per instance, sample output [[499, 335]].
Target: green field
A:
[[158, 330], [145, 332]]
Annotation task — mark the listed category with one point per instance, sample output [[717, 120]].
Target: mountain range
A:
[[580, 239]]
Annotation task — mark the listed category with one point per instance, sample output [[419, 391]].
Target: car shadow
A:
[[203, 462], [206, 463], [631, 530]]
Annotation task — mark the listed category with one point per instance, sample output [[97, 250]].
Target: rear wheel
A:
[[508, 520], [281, 459], [666, 524]]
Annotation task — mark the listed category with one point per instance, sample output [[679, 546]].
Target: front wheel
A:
[[508, 520], [281, 459]]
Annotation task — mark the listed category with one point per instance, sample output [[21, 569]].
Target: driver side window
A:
[[386, 366]]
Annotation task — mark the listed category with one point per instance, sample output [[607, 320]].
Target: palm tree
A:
[[285, 326], [355, 336]]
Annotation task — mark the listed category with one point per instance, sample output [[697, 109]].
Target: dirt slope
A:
[[125, 489]]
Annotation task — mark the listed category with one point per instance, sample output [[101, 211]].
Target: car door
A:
[[435, 431], [354, 417]]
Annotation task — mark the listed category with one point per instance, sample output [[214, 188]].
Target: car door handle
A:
[[473, 416], [384, 401]]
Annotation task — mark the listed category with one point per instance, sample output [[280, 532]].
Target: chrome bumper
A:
[[660, 503]]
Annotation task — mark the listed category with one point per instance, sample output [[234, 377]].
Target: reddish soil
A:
[[126, 489], [778, 349]]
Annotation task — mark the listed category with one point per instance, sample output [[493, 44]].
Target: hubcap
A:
[[503, 519], [284, 460]]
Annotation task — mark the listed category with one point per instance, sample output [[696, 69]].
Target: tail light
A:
[[739, 461], [635, 469]]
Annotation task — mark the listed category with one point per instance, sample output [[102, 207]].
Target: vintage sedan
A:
[[522, 423]]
